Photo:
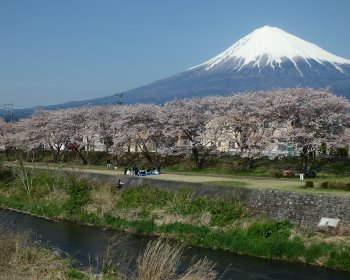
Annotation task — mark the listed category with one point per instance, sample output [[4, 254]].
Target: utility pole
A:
[[7, 112], [119, 97]]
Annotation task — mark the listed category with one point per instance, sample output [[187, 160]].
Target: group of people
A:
[[143, 172], [134, 171]]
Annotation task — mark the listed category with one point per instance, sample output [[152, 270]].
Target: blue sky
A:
[[58, 51]]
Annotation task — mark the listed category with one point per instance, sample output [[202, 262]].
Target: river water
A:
[[89, 245]]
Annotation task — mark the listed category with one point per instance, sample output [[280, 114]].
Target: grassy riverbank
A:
[[23, 259], [207, 222]]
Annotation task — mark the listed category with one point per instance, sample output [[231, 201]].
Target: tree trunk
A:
[[149, 158], [195, 157], [305, 162], [83, 156], [249, 163], [7, 151], [305, 159], [55, 157]]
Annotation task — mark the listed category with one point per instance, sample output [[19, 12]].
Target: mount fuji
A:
[[267, 58]]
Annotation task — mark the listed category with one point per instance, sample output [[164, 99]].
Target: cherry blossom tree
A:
[[96, 127], [4, 132], [103, 118], [141, 126], [52, 129], [7, 131], [28, 133], [197, 122], [315, 117], [81, 131], [249, 126], [255, 122]]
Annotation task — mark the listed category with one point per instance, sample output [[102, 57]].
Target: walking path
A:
[[283, 184], [245, 181]]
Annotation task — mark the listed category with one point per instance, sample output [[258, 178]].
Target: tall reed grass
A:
[[161, 261]]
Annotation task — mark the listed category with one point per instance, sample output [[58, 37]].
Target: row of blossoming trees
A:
[[305, 118]]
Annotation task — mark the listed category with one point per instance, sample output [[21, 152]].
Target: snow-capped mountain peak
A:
[[270, 46]]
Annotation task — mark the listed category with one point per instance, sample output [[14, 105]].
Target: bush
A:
[[278, 174], [315, 251], [309, 184], [79, 195], [335, 185], [6, 174], [339, 260], [267, 229], [225, 212]]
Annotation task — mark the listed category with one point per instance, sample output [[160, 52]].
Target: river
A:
[[89, 244]]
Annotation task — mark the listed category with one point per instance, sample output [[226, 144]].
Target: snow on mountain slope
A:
[[270, 46]]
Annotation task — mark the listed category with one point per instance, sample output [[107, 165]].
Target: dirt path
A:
[[247, 181]]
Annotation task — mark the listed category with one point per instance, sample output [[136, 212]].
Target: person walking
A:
[[109, 163]]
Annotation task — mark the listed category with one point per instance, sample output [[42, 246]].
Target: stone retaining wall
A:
[[304, 209]]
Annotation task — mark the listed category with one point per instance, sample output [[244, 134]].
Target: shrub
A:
[[309, 184], [79, 194], [339, 259], [277, 174], [267, 229], [335, 185], [6, 175], [313, 252], [225, 212], [288, 173]]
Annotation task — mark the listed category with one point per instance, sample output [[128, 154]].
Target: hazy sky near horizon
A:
[[53, 52]]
